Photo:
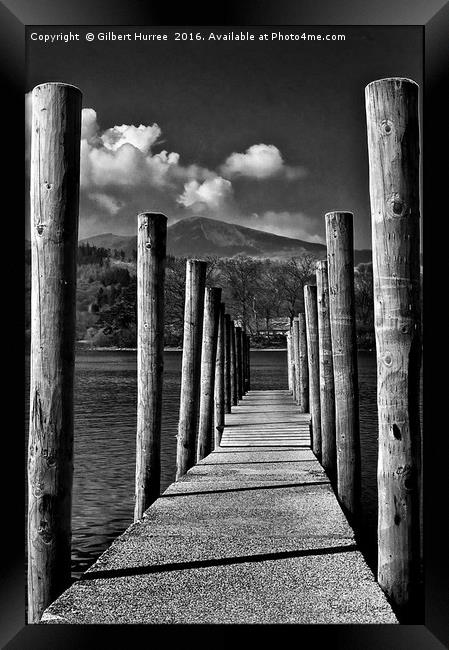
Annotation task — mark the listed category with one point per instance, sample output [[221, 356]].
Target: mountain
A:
[[200, 237]]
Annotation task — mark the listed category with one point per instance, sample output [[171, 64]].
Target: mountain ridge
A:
[[202, 236]]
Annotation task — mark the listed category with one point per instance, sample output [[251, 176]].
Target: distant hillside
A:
[[199, 237]]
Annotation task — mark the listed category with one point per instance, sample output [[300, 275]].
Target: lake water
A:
[[105, 431]]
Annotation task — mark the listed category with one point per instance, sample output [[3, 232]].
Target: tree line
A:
[[263, 295]]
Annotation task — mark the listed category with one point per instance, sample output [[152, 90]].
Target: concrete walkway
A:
[[252, 534]]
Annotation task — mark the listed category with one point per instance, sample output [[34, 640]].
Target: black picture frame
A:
[[433, 16]]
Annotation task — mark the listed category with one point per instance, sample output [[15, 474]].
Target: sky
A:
[[268, 134]]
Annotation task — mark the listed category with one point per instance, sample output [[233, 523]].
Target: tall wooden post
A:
[[340, 257], [208, 360], [244, 362], [311, 314], [151, 250], [227, 367], [248, 363], [238, 349], [326, 368], [393, 147], [54, 183], [234, 380], [303, 388], [191, 365], [296, 362], [219, 380], [289, 361]]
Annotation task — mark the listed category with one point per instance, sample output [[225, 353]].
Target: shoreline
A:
[[82, 345]]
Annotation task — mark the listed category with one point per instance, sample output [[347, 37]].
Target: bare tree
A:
[[298, 271]]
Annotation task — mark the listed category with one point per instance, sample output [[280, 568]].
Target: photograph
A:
[[223, 326]]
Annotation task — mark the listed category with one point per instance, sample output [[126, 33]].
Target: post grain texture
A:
[[234, 380], [248, 362], [244, 363], [54, 183], [238, 349], [228, 361], [296, 360], [212, 303], [191, 365], [340, 258], [303, 388], [219, 380], [311, 315], [151, 253], [288, 339], [393, 146], [326, 366]]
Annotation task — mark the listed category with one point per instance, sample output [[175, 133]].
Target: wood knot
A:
[[386, 126], [387, 359], [397, 205], [40, 228], [149, 244]]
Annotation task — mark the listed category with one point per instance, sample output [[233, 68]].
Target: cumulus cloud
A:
[[287, 224], [123, 172], [141, 137], [212, 193], [109, 203], [259, 161]]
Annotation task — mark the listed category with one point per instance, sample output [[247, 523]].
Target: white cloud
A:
[[123, 156], [212, 193], [260, 161], [287, 224], [109, 203], [141, 137]]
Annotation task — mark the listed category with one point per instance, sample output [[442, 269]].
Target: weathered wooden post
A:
[[393, 147], [212, 303], [219, 380], [248, 363], [326, 368], [311, 314], [340, 257], [151, 250], [296, 361], [234, 380], [244, 363], [191, 365], [54, 188], [227, 367], [303, 388], [289, 361], [238, 349]]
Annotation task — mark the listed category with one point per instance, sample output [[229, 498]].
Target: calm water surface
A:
[[105, 430]]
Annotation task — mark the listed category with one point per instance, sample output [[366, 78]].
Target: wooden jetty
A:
[[252, 534], [258, 531]]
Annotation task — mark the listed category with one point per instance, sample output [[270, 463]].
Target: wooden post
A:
[[303, 388], [393, 146], [151, 249], [191, 365], [238, 346], [289, 362], [248, 363], [296, 363], [54, 188], [340, 257], [208, 359], [326, 367], [244, 362], [219, 380], [311, 314], [227, 368], [234, 380]]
